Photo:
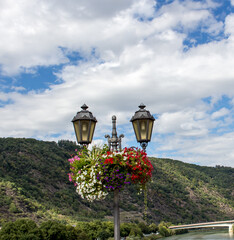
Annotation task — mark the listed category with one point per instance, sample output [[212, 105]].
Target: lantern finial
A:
[[142, 106], [84, 107]]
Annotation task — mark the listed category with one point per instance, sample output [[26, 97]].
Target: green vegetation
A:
[[23, 229], [187, 193], [164, 230], [34, 184]]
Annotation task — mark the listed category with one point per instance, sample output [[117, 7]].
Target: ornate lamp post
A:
[[84, 124]]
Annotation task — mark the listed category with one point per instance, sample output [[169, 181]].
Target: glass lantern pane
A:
[[77, 131], [136, 129], [143, 129], [85, 131], [91, 131], [150, 129]]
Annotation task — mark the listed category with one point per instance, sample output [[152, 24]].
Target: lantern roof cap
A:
[[142, 113], [84, 114]]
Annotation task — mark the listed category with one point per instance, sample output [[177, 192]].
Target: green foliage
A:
[[13, 208], [34, 183], [21, 229], [153, 227], [26, 229], [97, 229], [68, 145], [164, 230], [190, 193], [55, 230], [152, 237], [135, 232], [125, 229], [144, 228]]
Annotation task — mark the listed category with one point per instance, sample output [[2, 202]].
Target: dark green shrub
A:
[[125, 229], [144, 228], [135, 231], [153, 227], [52, 230], [21, 229], [13, 208], [164, 230]]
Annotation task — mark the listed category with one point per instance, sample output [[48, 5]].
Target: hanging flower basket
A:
[[98, 171]]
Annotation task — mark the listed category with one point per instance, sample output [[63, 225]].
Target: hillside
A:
[[34, 184]]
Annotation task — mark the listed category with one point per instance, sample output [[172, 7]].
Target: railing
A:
[[228, 224]]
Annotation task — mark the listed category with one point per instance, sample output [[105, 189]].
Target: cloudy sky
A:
[[175, 56]]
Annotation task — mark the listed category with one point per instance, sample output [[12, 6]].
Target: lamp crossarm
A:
[[114, 142]]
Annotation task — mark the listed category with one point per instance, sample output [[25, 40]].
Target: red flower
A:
[[109, 160]]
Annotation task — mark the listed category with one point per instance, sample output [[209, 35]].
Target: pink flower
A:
[[71, 160], [70, 177]]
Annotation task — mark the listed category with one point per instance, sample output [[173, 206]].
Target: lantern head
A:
[[142, 122], [84, 124]]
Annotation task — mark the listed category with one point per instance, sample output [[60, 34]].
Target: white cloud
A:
[[220, 113], [189, 122], [32, 31], [209, 151], [18, 89], [136, 61]]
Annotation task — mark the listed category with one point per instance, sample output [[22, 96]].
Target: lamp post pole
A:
[[114, 143]]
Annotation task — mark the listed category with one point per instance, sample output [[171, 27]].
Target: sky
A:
[[175, 56]]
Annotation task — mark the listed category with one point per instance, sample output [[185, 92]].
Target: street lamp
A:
[[143, 122], [84, 124]]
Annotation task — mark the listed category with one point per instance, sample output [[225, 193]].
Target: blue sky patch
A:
[[224, 102], [73, 56], [161, 3], [39, 80], [221, 12]]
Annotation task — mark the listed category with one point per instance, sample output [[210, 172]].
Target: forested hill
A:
[[34, 184]]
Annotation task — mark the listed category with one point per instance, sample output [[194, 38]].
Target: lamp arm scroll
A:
[[108, 140], [120, 140]]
